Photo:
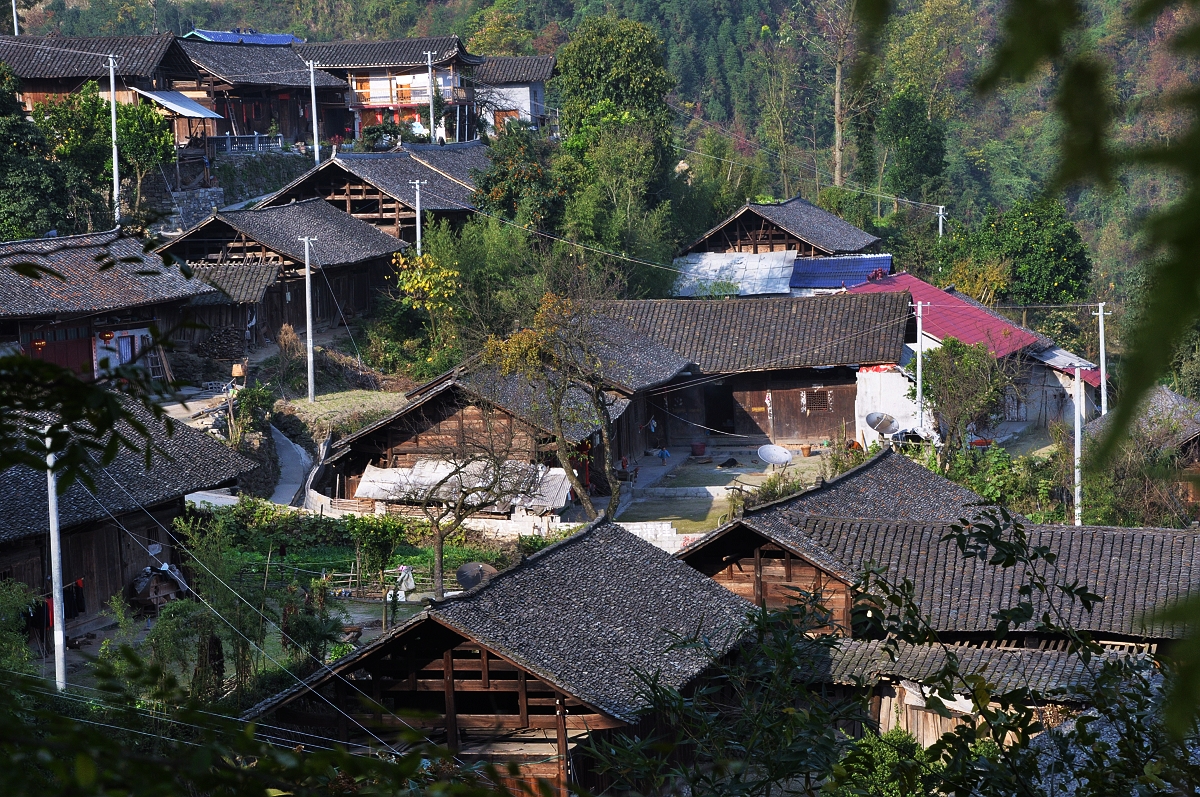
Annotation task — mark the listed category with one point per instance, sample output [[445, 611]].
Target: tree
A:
[[565, 354], [77, 128], [778, 65], [377, 540], [964, 385], [915, 145], [519, 184], [621, 61], [499, 31], [144, 142], [30, 184], [1035, 239]]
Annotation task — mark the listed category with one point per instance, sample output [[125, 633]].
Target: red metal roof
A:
[[948, 316]]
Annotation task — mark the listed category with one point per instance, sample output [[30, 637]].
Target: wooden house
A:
[[114, 529], [378, 188], [470, 409], [1134, 570], [91, 316], [509, 88], [54, 66], [792, 226], [255, 258], [529, 666], [259, 89], [779, 370], [390, 81]]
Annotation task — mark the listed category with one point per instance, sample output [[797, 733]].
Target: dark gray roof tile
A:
[[236, 283], [397, 52], [135, 279], [339, 238], [48, 57], [725, 336], [507, 70], [256, 64]]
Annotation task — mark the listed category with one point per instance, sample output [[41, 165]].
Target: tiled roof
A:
[[1134, 570], [446, 188], [951, 316], [818, 227], [505, 70], [256, 64], [236, 283], [888, 486], [851, 661], [841, 271], [1164, 413], [458, 162], [85, 288], [182, 462], [47, 57], [726, 336], [590, 615], [339, 238], [397, 52]]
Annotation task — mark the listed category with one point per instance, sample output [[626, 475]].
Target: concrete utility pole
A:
[[416, 184], [1079, 450], [56, 575], [112, 92], [432, 121], [16, 24], [920, 357], [1103, 363], [941, 218], [312, 395], [312, 85]]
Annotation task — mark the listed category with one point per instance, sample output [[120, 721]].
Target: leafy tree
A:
[[1034, 242], [964, 385], [78, 129], [499, 30], [15, 598], [915, 145], [144, 142], [621, 61], [519, 184], [778, 63], [30, 184], [882, 765]]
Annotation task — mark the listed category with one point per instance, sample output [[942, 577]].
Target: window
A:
[[817, 400]]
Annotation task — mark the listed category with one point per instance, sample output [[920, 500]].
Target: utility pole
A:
[[312, 85], [941, 218], [416, 184], [920, 357], [1103, 363], [16, 24], [112, 91], [56, 577], [432, 121], [1078, 449], [312, 396]]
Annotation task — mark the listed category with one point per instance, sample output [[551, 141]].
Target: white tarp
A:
[[534, 487], [179, 103], [753, 274]]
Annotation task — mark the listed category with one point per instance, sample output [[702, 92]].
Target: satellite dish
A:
[[882, 423], [472, 574], [774, 455]]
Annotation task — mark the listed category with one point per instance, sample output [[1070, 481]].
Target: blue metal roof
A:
[[843, 271], [243, 36]]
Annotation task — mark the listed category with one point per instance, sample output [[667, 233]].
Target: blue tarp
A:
[[843, 271], [244, 36]]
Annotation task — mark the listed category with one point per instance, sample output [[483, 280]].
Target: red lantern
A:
[[107, 335]]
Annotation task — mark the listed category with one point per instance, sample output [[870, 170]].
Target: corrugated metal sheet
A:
[[753, 274], [948, 316], [843, 271]]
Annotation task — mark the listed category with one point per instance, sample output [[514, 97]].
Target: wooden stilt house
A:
[[378, 188], [527, 667], [256, 260]]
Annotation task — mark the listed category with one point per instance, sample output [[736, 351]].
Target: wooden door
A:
[[750, 414]]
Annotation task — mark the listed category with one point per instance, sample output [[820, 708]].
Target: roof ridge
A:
[[431, 167], [114, 233], [869, 462]]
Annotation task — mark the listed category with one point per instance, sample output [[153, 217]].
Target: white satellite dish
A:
[[774, 455], [882, 423]]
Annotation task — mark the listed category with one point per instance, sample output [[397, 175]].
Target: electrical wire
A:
[[233, 627], [266, 619]]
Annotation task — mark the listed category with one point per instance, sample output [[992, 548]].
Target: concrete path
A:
[[294, 464]]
